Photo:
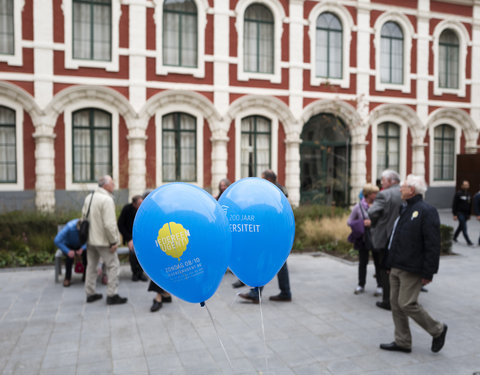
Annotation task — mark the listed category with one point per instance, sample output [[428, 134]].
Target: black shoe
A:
[[167, 298], [281, 298], [156, 305], [116, 300], [142, 277], [238, 284], [383, 305], [135, 277], [425, 290], [94, 297], [393, 347], [249, 297], [438, 342]]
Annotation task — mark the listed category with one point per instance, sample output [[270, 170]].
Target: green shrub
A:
[[446, 232]]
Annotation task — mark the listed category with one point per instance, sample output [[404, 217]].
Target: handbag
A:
[[79, 267], [367, 235], [84, 225]]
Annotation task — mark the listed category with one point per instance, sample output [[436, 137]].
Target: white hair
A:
[[391, 175], [417, 182]]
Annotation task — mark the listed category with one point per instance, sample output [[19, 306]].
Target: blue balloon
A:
[[263, 228], [182, 240]]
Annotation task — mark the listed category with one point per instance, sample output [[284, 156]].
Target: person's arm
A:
[[376, 209], [455, 205], [60, 240], [123, 225], [431, 243], [110, 222], [476, 205]]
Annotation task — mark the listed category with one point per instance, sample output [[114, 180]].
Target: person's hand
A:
[[367, 222], [71, 253], [113, 248], [425, 281], [79, 251], [478, 217], [454, 218], [130, 245]]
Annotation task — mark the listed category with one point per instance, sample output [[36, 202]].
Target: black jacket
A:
[[462, 203], [125, 222], [415, 246]]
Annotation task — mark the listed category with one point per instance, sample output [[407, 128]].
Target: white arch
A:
[[16, 94], [463, 39], [408, 33]]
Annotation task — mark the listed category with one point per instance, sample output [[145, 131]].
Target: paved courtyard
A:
[[48, 329]]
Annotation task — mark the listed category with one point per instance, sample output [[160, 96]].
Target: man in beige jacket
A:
[[103, 240]]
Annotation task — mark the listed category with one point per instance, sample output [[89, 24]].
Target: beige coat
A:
[[103, 221]]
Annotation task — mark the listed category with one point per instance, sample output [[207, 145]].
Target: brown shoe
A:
[[281, 298], [66, 283], [249, 297]]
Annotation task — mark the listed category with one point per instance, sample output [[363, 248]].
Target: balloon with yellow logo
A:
[[182, 240]]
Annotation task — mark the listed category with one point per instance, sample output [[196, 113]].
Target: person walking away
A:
[[382, 213], [68, 241], [125, 226], [461, 209], [412, 260], [103, 240], [360, 224]]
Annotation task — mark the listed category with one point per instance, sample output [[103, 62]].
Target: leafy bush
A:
[[446, 232]]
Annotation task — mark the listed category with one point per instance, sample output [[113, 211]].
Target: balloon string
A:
[[263, 329], [203, 304]]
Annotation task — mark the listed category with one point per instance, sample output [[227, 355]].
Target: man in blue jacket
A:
[[413, 255], [68, 241]]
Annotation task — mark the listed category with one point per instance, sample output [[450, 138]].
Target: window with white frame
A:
[[391, 53], [388, 147], [444, 153], [92, 30], [256, 136], [179, 147], [91, 144], [328, 51], [7, 34], [8, 146], [180, 33], [258, 39], [448, 59]]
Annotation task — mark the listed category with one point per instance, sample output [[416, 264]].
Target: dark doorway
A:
[[325, 161]]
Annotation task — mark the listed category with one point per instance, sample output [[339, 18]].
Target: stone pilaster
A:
[[44, 167], [136, 162], [219, 141], [358, 169], [292, 173]]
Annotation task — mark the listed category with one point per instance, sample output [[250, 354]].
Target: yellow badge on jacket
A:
[[414, 215]]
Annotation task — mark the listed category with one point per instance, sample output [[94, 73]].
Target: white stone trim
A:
[[347, 25], [199, 119], [161, 69], [408, 32], [278, 19], [17, 58], [238, 137], [67, 120], [463, 40], [70, 62], [18, 108]]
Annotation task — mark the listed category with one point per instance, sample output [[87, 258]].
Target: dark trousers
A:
[[134, 264], [462, 227], [364, 255], [283, 283], [69, 263], [384, 277]]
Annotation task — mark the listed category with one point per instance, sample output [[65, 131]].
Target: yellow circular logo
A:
[[173, 239]]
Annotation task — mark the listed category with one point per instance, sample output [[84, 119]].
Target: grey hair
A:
[[104, 180], [391, 175], [417, 182]]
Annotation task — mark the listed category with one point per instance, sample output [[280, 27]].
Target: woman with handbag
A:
[[361, 237]]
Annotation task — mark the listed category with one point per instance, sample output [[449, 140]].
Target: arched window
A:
[[388, 147], [92, 144], [7, 35], [448, 48], [328, 46], [92, 30], [391, 57], [256, 146], [8, 146], [180, 33], [179, 147], [444, 153], [258, 39]]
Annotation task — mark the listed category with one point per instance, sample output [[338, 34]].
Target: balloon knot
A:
[[202, 304]]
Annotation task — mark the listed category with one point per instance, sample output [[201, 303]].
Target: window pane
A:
[[7, 39], [391, 53], [189, 41], [388, 147], [258, 39], [328, 46], [448, 55], [8, 146], [444, 152], [101, 33], [255, 145]]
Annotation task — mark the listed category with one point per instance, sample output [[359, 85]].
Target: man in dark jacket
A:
[[413, 258], [125, 226], [461, 208]]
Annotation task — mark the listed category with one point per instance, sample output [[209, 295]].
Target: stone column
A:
[[358, 166], [219, 156], [292, 173], [418, 156], [44, 167], [137, 157]]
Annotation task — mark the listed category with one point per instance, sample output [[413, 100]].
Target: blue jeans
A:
[[283, 283], [462, 227]]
